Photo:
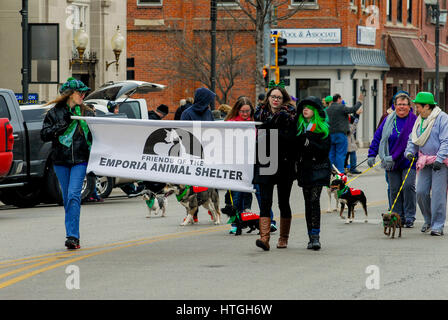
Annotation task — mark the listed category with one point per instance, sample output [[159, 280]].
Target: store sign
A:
[[366, 36], [33, 98], [310, 36]]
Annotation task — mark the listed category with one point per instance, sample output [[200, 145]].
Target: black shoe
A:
[[436, 233], [355, 171], [315, 242], [72, 243], [409, 224]]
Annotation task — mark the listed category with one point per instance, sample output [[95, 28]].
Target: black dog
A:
[[349, 197], [242, 220]]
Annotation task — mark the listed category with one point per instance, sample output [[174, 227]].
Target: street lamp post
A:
[[437, 42], [213, 16], [117, 44], [25, 71]]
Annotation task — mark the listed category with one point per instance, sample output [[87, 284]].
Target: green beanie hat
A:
[[73, 84], [328, 98]]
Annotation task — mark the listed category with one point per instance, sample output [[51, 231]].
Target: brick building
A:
[[334, 46]]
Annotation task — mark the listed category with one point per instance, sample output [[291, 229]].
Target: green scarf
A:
[[67, 138], [150, 202], [341, 192], [180, 196]]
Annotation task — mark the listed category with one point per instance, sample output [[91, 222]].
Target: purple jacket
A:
[[397, 143]]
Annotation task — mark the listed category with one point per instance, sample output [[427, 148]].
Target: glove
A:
[[409, 156], [371, 161], [437, 166], [388, 163]]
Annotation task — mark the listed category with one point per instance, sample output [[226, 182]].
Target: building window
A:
[[400, 11], [410, 11], [304, 2], [389, 10], [312, 87], [226, 2], [149, 2]]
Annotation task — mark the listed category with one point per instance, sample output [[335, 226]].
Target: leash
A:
[[399, 191], [359, 164], [378, 162]]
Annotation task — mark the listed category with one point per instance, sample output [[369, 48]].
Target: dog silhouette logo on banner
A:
[[174, 143]]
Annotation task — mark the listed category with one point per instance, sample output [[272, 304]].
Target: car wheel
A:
[[104, 186]]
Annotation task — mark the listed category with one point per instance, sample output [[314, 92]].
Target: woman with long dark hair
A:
[[276, 113], [71, 142]]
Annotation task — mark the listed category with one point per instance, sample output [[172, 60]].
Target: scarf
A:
[[67, 138], [401, 142], [425, 126]]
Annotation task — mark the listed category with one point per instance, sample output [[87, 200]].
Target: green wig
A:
[[316, 124]]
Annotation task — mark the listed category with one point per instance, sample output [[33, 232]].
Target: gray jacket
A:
[[338, 116]]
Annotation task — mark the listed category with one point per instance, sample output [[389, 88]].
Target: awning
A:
[[335, 57], [405, 53]]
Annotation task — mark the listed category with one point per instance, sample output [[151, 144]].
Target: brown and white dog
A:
[[391, 221], [349, 197], [332, 192], [192, 200]]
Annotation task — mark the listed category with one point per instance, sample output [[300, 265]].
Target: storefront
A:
[[322, 71]]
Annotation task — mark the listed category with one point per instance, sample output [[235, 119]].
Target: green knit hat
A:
[[424, 98], [73, 84], [328, 98]]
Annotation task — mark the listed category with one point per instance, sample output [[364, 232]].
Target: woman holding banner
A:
[[277, 115], [71, 141], [313, 164]]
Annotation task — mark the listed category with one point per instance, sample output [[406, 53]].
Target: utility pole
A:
[[213, 16], [437, 16], [25, 71]]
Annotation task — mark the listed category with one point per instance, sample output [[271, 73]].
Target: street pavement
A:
[[127, 256]]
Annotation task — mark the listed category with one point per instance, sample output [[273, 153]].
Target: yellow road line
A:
[[111, 247]]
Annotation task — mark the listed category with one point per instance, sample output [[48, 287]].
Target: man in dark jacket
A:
[[200, 110], [338, 118], [159, 114]]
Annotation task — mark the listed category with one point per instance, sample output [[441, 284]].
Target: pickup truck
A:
[[6, 144], [31, 179]]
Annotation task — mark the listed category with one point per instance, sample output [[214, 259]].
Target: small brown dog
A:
[[391, 221]]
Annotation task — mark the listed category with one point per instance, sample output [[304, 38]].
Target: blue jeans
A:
[[71, 179], [242, 200], [338, 150]]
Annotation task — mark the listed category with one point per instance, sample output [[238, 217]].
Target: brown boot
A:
[[285, 225], [265, 233]]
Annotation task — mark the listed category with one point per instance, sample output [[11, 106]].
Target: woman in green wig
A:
[[71, 141], [313, 163]]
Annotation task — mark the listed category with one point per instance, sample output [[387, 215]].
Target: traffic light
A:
[[265, 73], [281, 51]]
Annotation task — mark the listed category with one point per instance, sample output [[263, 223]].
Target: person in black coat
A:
[[277, 116], [313, 163], [159, 114]]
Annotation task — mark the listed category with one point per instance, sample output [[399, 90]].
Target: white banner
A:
[[213, 154], [310, 35]]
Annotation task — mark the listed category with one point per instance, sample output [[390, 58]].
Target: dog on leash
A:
[[332, 192], [391, 221], [350, 197], [192, 200], [155, 202], [242, 220]]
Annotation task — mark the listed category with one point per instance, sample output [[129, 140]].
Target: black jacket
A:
[[180, 110], [313, 164], [283, 122], [55, 123], [152, 115]]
